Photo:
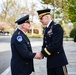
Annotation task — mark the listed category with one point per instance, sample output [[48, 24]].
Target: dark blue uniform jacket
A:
[[53, 42], [22, 55]]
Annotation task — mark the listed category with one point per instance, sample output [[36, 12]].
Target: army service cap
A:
[[41, 13]]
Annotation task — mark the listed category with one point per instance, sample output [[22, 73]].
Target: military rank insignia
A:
[[50, 31], [19, 38]]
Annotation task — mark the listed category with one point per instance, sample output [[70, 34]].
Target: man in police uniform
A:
[[52, 47], [22, 55]]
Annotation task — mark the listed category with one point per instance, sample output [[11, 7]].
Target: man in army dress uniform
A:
[[22, 55], [52, 47]]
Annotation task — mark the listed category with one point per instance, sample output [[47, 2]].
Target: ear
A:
[[23, 25]]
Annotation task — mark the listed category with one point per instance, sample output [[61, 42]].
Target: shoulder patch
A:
[[19, 38]]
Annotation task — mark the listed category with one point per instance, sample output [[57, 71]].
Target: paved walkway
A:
[[40, 65]]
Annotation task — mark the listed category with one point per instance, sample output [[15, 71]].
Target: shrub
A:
[[73, 33]]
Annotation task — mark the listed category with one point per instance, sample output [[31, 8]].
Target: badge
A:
[[19, 38], [50, 31]]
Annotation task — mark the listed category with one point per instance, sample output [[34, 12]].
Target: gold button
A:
[[57, 52], [27, 42]]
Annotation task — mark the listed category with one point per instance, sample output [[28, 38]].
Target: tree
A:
[[7, 8], [72, 16], [11, 10], [59, 7], [32, 10], [72, 10]]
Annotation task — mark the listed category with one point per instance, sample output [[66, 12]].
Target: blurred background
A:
[[62, 11]]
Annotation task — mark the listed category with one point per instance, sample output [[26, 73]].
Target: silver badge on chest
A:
[[50, 32]]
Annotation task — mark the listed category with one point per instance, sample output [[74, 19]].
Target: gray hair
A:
[[19, 26]]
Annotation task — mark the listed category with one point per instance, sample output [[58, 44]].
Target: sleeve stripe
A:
[[47, 51]]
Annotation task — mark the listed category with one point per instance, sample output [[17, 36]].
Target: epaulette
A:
[[18, 32]]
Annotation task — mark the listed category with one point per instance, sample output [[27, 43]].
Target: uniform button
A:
[[46, 45], [26, 63], [45, 37], [57, 52]]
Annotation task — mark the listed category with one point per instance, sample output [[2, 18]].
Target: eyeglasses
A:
[[28, 22]]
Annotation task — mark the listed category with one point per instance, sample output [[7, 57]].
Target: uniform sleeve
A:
[[22, 48], [57, 40]]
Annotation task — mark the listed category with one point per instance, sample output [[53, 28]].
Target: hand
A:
[[39, 55]]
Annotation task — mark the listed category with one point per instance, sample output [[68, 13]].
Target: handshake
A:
[[39, 55]]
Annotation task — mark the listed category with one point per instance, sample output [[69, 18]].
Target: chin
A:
[[29, 29]]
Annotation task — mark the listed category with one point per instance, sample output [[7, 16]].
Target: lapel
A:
[[49, 28], [45, 31]]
